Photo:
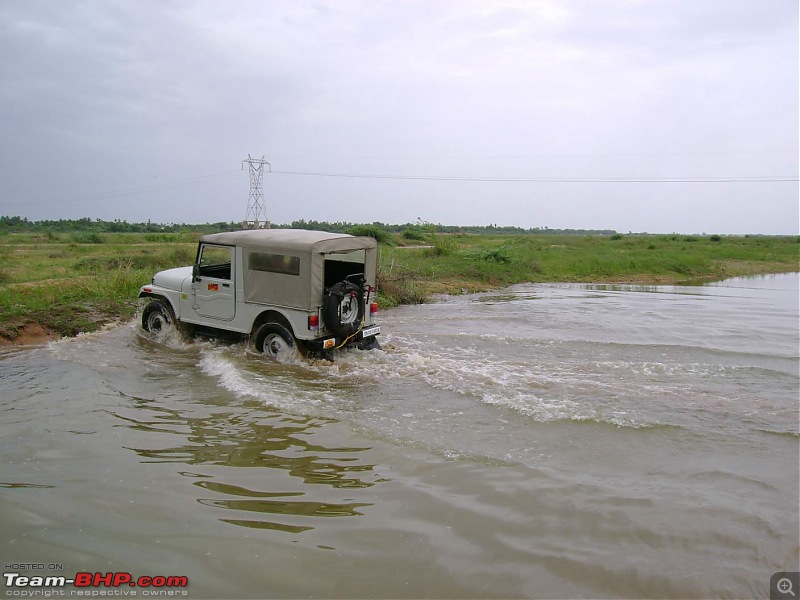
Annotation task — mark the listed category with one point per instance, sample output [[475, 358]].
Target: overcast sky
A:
[[137, 110]]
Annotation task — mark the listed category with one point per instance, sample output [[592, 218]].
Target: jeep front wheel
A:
[[156, 317], [273, 340]]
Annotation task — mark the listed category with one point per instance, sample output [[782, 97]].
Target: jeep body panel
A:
[[288, 266], [242, 279], [173, 279]]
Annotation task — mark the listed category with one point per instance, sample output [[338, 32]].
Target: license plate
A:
[[370, 331]]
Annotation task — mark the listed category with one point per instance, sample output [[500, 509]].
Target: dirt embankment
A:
[[28, 334], [67, 320]]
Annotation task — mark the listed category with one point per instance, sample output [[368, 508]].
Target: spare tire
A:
[[343, 308]]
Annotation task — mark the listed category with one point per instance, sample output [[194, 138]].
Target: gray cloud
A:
[[121, 109]]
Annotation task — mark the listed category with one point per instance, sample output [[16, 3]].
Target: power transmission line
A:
[[256, 210], [229, 175], [551, 179]]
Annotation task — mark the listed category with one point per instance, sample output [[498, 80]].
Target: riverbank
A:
[[59, 285], [453, 264]]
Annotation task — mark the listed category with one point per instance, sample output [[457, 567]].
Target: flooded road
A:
[[545, 441]]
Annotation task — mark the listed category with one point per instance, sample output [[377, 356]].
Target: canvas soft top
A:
[[304, 288], [299, 240]]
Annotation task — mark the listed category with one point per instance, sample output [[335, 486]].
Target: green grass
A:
[[478, 262], [70, 286]]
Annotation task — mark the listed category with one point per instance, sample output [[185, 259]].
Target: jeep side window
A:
[[274, 263], [215, 261]]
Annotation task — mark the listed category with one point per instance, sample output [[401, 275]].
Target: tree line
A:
[[417, 230], [88, 225], [425, 227]]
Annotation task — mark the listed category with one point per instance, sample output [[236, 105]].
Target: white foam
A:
[[540, 392], [279, 390], [217, 365]]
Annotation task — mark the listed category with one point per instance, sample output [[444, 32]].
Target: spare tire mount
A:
[[343, 306]]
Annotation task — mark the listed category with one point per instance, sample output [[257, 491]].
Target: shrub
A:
[[88, 238], [398, 288], [415, 232], [181, 256], [163, 238], [374, 231], [441, 247], [497, 255]]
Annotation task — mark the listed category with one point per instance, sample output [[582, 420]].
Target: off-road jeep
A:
[[282, 287]]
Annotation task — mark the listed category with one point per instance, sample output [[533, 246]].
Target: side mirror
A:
[[195, 272]]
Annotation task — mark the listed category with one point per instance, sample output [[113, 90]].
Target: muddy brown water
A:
[[545, 441]]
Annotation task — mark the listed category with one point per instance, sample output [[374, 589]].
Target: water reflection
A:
[[237, 437], [276, 507], [624, 287], [502, 298]]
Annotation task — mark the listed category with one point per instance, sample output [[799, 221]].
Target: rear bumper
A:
[[363, 337]]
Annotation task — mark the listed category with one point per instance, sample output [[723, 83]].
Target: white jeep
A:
[[283, 287]]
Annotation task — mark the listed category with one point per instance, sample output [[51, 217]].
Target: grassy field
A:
[[456, 263], [72, 283]]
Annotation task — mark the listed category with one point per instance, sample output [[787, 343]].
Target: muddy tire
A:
[[157, 316], [273, 339]]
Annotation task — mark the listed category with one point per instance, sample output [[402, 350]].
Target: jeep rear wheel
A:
[[157, 317], [274, 340]]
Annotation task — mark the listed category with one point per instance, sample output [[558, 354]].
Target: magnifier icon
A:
[[784, 586]]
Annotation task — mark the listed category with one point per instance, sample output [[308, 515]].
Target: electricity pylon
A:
[[256, 211]]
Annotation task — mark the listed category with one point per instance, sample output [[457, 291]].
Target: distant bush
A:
[[443, 246], [415, 232], [161, 237], [374, 231], [715, 238], [616, 236], [102, 264], [181, 256], [398, 287], [496, 255], [88, 238]]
